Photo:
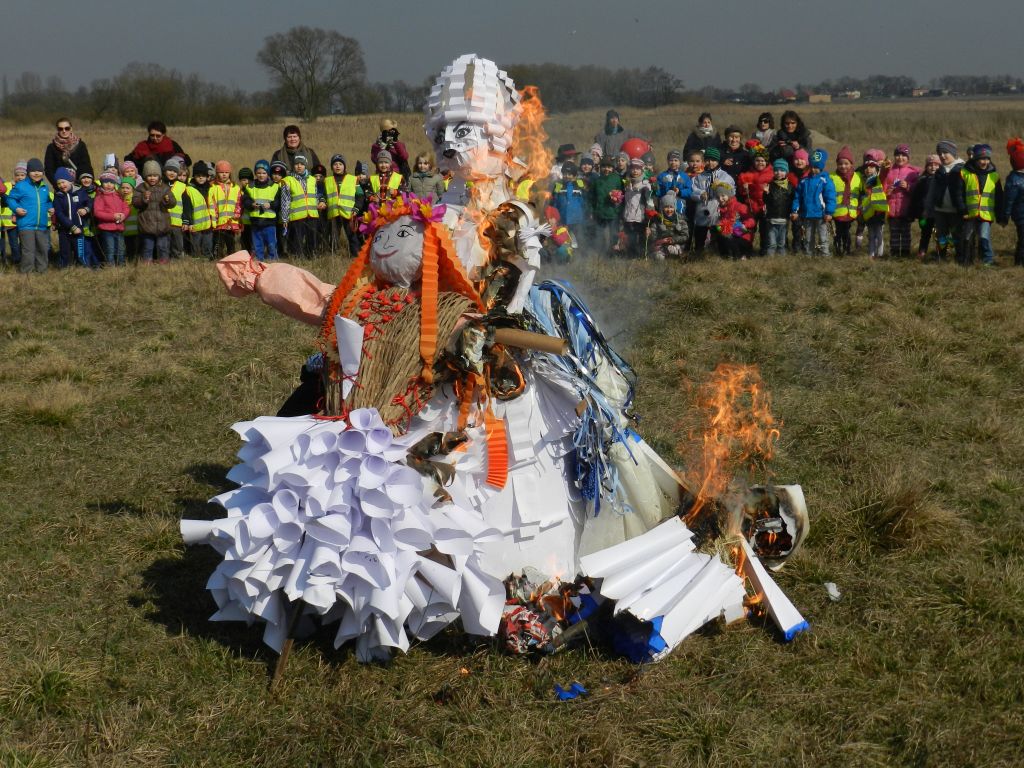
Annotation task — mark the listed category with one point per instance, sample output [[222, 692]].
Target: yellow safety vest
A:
[[262, 195], [393, 183], [131, 223], [222, 206], [303, 204], [6, 214], [873, 202], [855, 186], [523, 189], [200, 212], [341, 200], [178, 190], [980, 202]]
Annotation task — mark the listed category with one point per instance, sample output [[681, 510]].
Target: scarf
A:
[[704, 133], [66, 144]]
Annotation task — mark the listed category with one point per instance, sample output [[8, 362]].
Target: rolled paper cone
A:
[[513, 337], [195, 531], [782, 611]]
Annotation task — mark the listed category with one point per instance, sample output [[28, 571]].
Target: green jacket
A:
[[601, 204]]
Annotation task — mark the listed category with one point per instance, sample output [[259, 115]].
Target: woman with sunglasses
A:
[[157, 146], [66, 151]]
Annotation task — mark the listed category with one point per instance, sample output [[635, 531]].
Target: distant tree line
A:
[[316, 72]]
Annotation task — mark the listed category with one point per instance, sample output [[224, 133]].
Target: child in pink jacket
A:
[[897, 181], [110, 211]]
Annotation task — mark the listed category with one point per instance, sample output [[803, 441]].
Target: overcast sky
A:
[[704, 43]]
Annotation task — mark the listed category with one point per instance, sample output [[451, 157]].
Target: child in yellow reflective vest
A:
[[225, 204], [983, 192], [344, 200], [8, 224], [873, 205], [262, 201], [172, 170], [386, 182]]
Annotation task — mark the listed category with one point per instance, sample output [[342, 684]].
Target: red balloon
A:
[[635, 147]]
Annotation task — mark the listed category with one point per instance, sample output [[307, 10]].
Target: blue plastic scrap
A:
[[572, 692]]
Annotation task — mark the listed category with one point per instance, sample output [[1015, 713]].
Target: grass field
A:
[[899, 388]]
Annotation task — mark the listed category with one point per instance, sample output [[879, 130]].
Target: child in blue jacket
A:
[[814, 204], [570, 198], [72, 208], [675, 180], [1013, 196], [30, 202]]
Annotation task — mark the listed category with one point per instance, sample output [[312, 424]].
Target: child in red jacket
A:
[[735, 229], [110, 211], [751, 189]]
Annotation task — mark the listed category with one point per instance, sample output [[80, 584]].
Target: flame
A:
[[740, 431], [529, 137]]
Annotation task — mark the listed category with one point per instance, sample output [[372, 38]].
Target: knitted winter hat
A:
[[200, 169], [245, 173], [382, 156], [262, 164], [875, 156], [172, 165], [818, 159], [711, 153], [360, 168], [278, 166], [151, 168], [648, 158], [551, 212], [1015, 148], [801, 154], [845, 154], [109, 176], [732, 128], [84, 175], [674, 154], [595, 149], [586, 160], [338, 158], [569, 167], [902, 149], [64, 174], [21, 165], [35, 164], [721, 188], [933, 159], [319, 170], [945, 146], [623, 156], [128, 165], [223, 166], [669, 200], [982, 150], [302, 159], [780, 165], [129, 181], [636, 162]]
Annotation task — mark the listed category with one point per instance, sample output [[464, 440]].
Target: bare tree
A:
[[312, 67]]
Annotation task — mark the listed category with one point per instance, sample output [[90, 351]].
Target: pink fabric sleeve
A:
[[292, 291]]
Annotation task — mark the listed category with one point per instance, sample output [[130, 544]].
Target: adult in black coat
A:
[[66, 151], [791, 136], [703, 137]]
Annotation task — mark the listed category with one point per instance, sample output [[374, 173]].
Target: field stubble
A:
[[899, 390]]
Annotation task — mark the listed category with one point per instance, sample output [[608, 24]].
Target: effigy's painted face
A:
[[464, 149], [396, 254]]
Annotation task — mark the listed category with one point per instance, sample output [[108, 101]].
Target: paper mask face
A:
[[462, 147], [397, 252]]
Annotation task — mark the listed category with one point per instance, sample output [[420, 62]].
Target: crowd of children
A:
[[766, 195]]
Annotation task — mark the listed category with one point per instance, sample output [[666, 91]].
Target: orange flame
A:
[[528, 140], [740, 431]]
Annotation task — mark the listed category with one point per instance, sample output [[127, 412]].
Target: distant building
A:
[[819, 98], [918, 92], [787, 94], [850, 94]]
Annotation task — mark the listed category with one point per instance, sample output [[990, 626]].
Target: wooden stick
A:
[[513, 337], [286, 649]]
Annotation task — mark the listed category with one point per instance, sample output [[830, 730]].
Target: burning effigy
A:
[[469, 455]]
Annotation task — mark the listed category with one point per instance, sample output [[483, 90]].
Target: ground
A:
[[898, 387]]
